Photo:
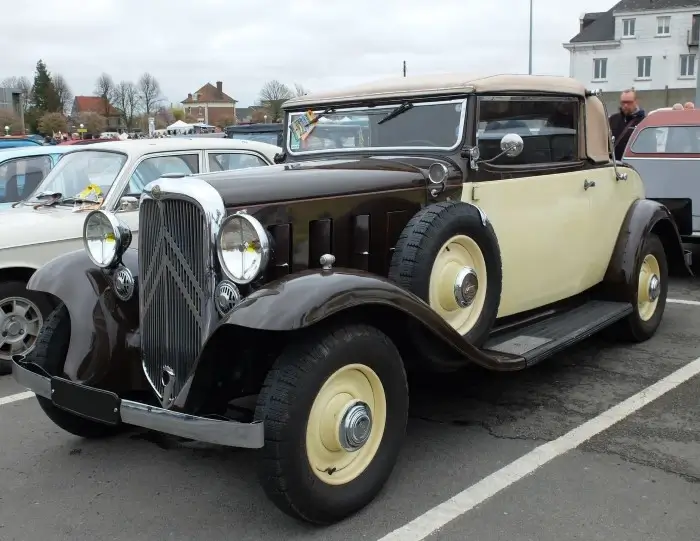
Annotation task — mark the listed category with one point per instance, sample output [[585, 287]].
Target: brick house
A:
[[95, 104], [211, 105]]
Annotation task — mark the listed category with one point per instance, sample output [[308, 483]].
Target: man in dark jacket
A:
[[622, 124]]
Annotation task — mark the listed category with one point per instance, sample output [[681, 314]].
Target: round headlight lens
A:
[[244, 248], [105, 238]]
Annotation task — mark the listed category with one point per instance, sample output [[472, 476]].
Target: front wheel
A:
[[50, 354], [335, 407]]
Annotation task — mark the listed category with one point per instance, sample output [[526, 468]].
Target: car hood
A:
[[22, 225], [309, 180]]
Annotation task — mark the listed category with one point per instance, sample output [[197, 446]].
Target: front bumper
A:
[[106, 407]]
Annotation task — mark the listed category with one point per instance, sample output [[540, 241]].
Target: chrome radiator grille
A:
[[174, 252]]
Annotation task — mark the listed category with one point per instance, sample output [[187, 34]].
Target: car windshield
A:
[[12, 143], [82, 175], [668, 140], [426, 125]]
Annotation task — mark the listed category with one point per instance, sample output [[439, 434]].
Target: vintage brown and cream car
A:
[[431, 223]]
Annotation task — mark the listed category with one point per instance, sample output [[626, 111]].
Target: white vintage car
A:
[[110, 176]]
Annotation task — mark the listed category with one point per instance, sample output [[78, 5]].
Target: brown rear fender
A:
[[645, 216], [304, 299], [104, 344]]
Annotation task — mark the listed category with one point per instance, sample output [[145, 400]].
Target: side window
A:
[[151, 169], [20, 177], [548, 126], [227, 161]]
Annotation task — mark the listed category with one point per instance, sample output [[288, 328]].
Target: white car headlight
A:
[[105, 238], [244, 248]]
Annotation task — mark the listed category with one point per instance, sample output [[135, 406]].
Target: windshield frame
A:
[[58, 168], [385, 107]]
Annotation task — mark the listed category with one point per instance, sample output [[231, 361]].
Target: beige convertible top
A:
[[435, 85]]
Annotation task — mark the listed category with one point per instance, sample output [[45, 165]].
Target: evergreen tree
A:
[[45, 99]]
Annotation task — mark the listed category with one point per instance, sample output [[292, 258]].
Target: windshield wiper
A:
[[401, 109]]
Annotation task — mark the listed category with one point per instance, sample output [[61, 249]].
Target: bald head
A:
[[677, 107], [689, 105], [628, 102]]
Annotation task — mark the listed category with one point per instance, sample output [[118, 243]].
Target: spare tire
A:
[[449, 256]]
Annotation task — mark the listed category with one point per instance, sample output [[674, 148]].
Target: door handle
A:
[[588, 184]]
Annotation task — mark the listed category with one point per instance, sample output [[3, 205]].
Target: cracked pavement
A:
[[637, 480]]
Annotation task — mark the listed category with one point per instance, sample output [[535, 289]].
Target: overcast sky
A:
[[320, 44]]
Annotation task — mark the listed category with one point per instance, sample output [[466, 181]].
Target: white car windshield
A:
[[412, 124], [82, 175]]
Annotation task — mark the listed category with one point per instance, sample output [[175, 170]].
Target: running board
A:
[[544, 338]]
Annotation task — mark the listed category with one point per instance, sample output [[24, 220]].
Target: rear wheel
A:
[[50, 354], [335, 406]]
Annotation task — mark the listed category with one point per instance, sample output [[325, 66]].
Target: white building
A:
[[648, 45]]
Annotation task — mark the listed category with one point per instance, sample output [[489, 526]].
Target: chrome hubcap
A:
[[355, 427], [654, 288], [20, 322], [466, 287]]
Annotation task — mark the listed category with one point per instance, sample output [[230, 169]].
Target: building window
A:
[[643, 67], [600, 69], [687, 65], [663, 26], [628, 28]]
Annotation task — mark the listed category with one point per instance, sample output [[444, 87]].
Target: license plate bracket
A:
[[88, 402]]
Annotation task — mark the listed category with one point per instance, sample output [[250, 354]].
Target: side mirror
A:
[[128, 203], [512, 145]]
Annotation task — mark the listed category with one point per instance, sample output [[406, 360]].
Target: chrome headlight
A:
[[105, 238], [244, 248]]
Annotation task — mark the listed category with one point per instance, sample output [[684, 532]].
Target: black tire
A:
[[285, 404], [420, 242], [50, 354], [633, 328], [41, 301]]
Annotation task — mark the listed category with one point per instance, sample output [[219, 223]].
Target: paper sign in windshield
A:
[[302, 126]]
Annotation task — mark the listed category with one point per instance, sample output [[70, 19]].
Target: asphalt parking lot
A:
[[588, 445]]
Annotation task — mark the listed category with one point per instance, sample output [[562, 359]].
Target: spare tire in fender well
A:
[[440, 240]]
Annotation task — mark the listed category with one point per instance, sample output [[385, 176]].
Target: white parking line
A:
[[15, 397], [437, 517], [681, 301]]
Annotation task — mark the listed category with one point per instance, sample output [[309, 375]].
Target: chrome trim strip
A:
[[229, 433], [40, 385]]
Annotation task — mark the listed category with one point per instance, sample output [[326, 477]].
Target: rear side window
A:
[[667, 140], [20, 177]]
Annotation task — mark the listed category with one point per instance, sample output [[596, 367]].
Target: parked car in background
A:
[[22, 169], [265, 133], [84, 141], [108, 176], [452, 248], [665, 150], [11, 141]]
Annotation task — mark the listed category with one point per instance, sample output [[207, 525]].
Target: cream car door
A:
[[543, 228]]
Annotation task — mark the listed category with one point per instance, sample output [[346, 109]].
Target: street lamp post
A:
[[265, 119], [530, 56], [7, 130], [81, 130]]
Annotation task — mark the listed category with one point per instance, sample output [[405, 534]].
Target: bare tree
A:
[[149, 93], [63, 92], [127, 100], [11, 120], [24, 85], [272, 95], [52, 123], [94, 123], [299, 90], [104, 88]]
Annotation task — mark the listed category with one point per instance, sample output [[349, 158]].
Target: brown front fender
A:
[[645, 216], [305, 299], [104, 343]]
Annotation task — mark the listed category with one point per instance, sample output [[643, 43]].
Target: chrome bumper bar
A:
[[108, 408]]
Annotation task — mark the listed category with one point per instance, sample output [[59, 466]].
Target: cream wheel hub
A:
[[649, 289]]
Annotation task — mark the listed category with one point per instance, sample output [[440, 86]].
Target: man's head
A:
[[628, 102], [689, 105], [677, 107]]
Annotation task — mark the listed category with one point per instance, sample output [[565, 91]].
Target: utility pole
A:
[[530, 56], [404, 68]]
